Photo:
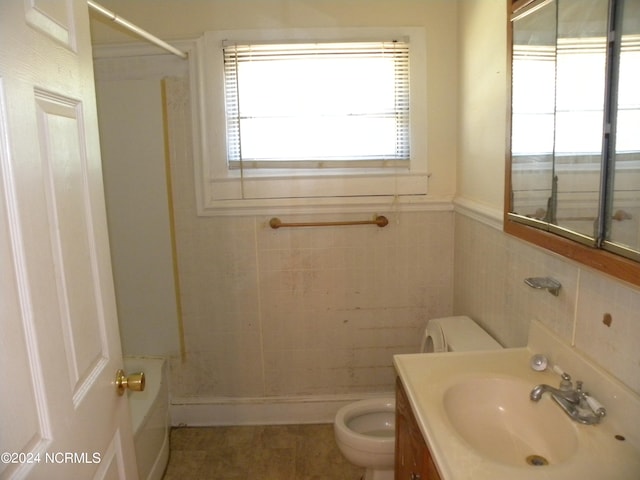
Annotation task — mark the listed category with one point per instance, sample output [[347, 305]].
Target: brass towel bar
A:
[[380, 221]]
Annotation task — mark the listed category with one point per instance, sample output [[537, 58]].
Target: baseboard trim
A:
[[260, 411]]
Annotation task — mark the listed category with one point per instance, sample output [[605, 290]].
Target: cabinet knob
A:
[[415, 476]]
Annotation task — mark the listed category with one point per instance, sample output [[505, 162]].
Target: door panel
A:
[[65, 165], [54, 19], [60, 344], [112, 465], [23, 425]]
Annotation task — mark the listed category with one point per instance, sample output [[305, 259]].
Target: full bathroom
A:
[[261, 326]]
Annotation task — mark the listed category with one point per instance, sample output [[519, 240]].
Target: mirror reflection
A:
[[624, 224], [533, 110], [575, 161]]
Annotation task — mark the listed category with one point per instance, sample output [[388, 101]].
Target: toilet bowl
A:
[[365, 430], [365, 433]]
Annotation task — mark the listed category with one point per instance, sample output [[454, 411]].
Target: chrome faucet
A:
[[574, 402]]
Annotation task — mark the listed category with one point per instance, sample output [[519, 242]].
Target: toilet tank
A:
[[456, 334]]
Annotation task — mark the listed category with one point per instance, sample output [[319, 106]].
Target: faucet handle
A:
[[565, 383], [596, 406]]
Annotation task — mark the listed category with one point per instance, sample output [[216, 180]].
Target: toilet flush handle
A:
[[135, 382]]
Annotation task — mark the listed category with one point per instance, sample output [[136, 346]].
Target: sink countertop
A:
[[599, 454]]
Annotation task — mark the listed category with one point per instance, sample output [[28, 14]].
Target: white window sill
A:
[[364, 205]]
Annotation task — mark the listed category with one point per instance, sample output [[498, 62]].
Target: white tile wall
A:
[[490, 268], [297, 312], [615, 347], [306, 311]]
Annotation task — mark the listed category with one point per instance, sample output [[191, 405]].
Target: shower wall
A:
[[131, 131]]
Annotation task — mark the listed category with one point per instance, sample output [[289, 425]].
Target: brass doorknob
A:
[[135, 382]]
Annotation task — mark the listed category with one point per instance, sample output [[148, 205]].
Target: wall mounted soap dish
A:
[[544, 283]]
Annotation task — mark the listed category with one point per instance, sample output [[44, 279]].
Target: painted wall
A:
[[482, 109], [490, 266]]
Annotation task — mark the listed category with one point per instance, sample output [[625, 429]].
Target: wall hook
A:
[[545, 283]]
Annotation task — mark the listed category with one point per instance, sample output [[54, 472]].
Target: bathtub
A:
[[150, 416]]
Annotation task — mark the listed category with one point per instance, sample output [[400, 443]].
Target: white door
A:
[[60, 416]]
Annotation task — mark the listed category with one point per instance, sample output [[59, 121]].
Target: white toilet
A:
[[365, 430]]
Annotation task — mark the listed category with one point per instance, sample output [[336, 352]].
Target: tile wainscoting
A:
[[490, 268]]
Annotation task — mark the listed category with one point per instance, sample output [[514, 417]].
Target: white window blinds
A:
[[317, 105]]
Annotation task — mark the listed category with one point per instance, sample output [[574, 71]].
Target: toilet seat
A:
[[362, 441]]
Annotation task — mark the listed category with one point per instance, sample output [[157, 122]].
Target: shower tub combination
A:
[[150, 416]]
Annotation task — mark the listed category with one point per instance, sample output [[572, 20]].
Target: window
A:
[[310, 118], [319, 104]]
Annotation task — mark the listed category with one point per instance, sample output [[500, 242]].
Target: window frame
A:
[[221, 190]]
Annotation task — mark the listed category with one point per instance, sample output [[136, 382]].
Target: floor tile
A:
[[264, 452]]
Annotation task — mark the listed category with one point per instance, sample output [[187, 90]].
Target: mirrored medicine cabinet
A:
[[573, 160]]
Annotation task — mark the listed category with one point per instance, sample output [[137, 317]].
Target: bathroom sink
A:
[[475, 415], [496, 418]]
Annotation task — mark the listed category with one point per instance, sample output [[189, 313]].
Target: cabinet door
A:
[[406, 461], [429, 468], [413, 459]]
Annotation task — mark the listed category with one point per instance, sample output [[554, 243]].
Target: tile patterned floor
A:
[[270, 452]]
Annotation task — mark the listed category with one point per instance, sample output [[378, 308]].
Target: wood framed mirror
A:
[[573, 149]]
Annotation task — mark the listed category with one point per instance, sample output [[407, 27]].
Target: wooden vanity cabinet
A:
[[413, 459]]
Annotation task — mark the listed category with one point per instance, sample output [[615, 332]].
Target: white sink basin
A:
[[496, 418]]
